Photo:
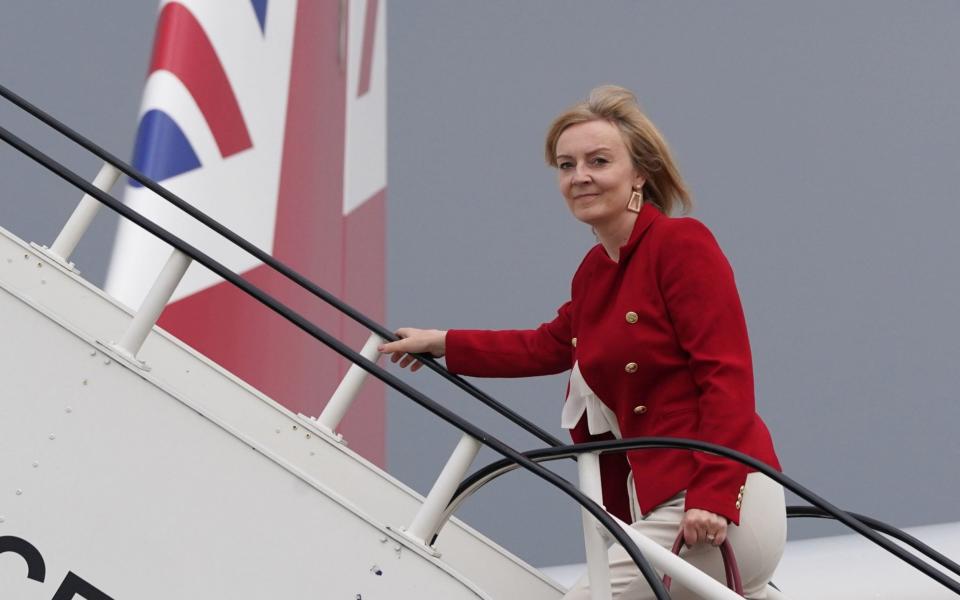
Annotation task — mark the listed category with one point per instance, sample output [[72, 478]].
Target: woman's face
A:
[[596, 174]]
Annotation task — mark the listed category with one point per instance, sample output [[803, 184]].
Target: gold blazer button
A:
[[631, 367], [632, 317], [639, 410]]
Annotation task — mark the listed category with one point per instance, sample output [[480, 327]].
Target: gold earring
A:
[[636, 200]]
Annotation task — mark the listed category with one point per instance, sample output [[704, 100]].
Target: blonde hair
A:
[[648, 150]]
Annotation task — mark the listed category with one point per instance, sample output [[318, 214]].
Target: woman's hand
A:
[[703, 527], [415, 341]]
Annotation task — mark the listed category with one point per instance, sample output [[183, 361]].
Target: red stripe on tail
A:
[[183, 48]]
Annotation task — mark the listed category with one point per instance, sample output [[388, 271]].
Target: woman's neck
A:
[[615, 234]]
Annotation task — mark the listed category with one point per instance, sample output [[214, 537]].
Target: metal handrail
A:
[[275, 264], [511, 454], [495, 469], [813, 512]]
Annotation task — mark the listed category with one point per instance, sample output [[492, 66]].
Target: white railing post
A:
[[427, 519], [598, 570], [594, 535], [348, 389], [82, 216], [152, 306]]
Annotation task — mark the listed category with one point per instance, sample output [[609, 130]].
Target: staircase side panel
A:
[[237, 409], [143, 497]]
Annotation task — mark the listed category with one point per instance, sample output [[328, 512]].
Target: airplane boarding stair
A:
[[135, 468], [183, 482]]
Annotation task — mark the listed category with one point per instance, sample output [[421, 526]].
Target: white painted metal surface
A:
[[595, 543], [157, 298], [83, 215], [454, 471], [184, 482], [349, 387]]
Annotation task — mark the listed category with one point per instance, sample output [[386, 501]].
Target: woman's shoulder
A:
[[678, 233], [687, 246], [682, 226]]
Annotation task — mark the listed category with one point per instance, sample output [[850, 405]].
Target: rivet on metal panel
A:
[[398, 549], [9, 260], [106, 361], [39, 265], [36, 464], [43, 282], [308, 436], [84, 382], [53, 437], [2, 519], [376, 570], [93, 353], [68, 409], [277, 430], [384, 540], [26, 256], [294, 427], [19, 492], [312, 453]]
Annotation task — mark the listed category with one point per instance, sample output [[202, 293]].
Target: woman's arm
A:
[[703, 304], [491, 353], [512, 353]]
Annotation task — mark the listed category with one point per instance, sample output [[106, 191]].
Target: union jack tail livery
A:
[[270, 116]]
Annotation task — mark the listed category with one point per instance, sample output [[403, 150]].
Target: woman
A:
[[656, 342]]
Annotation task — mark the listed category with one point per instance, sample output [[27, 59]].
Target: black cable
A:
[[794, 512], [495, 469], [275, 264], [345, 351]]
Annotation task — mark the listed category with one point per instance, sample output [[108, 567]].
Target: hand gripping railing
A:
[[473, 436], [83, 215], [821, 508]]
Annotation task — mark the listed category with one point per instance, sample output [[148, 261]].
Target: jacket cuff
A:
[[725, 501], [454, 352]]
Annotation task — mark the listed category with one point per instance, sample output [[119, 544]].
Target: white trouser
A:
[[757, 543]]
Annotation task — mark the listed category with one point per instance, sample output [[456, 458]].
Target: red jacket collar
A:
[[649, 213]]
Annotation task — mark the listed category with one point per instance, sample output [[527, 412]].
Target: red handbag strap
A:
[[730, 567]]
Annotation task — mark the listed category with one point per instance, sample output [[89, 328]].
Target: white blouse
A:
[[600, 419]]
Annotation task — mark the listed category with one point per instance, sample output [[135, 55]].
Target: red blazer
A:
[[661, 339]]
